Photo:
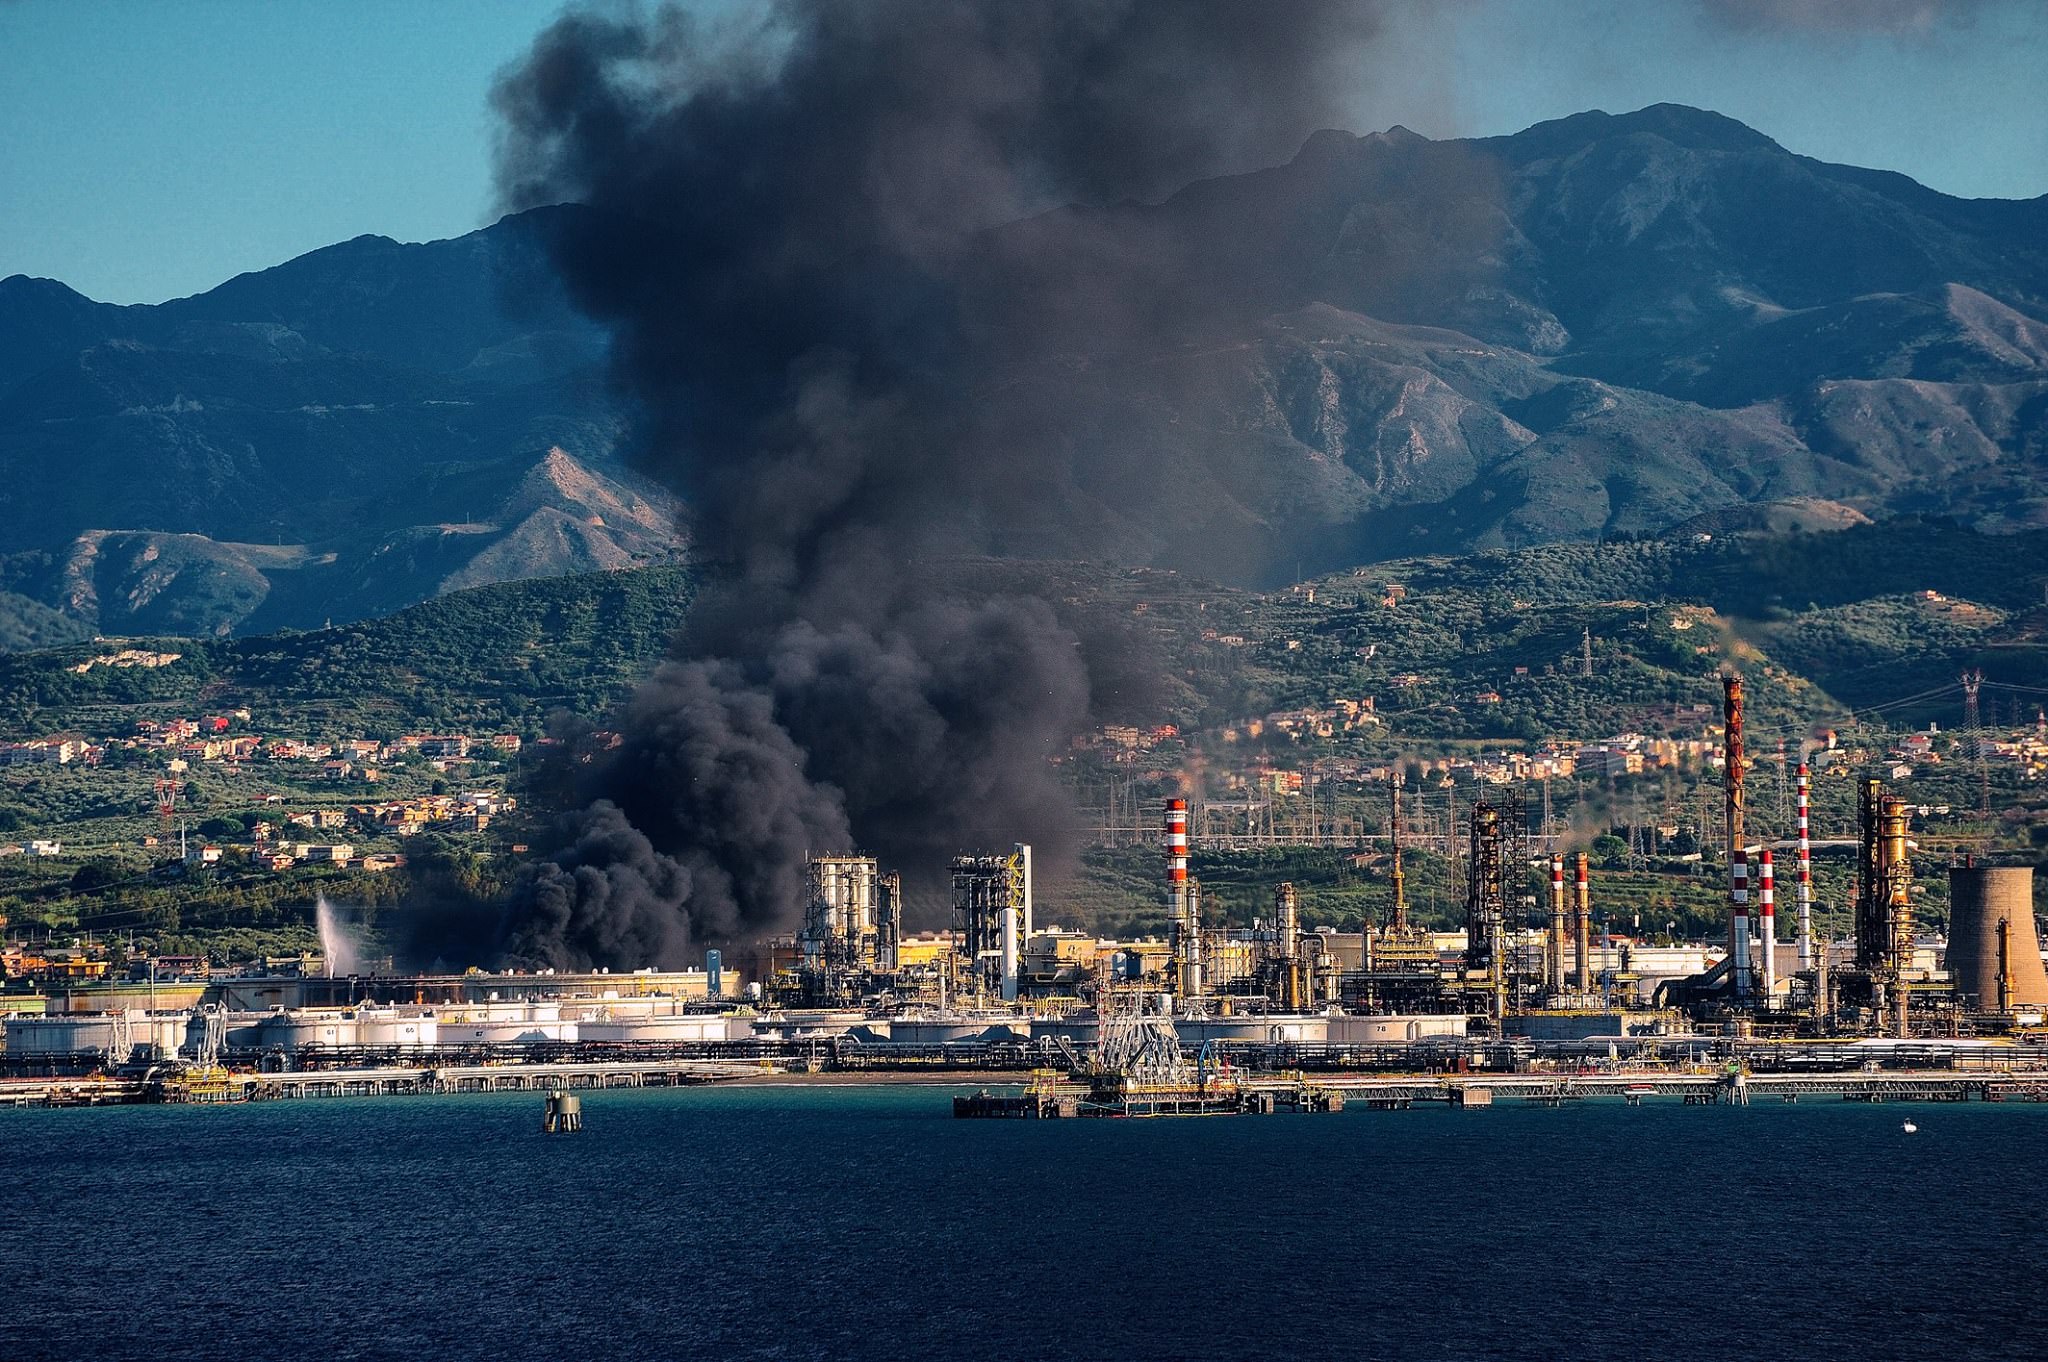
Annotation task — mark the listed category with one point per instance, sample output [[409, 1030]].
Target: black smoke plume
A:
[[812, 233]]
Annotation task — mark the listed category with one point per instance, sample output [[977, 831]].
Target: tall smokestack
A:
[[1187, 945], [1553, 953], [1400, 922], [1805, 870], [1738, 867], [1767, 898], [1023, 853], [1585, 942]]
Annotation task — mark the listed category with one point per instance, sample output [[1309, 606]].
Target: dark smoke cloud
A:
[[804, 230]]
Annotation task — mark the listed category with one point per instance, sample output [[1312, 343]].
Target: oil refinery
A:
[[1526, 982]]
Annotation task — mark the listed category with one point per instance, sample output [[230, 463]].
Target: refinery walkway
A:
[[1379, 1091]]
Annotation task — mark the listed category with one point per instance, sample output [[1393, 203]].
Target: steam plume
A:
[[805, 231]]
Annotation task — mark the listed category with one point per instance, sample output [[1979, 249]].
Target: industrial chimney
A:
[[1585, 933], [1805, 868], [1738, 867], [1554, 944], [1767, 901], [1181, 913]]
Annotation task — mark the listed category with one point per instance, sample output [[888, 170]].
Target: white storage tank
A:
[[407, 1032], [71, 1033], [503, 1031], [670, 1030], [1396, 1030], [1275, 1029], [807, 1024], [325, 1030]]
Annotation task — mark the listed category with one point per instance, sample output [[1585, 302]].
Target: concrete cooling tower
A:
[[1979, 899]]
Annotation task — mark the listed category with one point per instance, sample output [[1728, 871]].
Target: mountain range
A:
[[1387, 346], [350, 432]]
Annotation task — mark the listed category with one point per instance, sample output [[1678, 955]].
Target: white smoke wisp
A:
[[338, 945]]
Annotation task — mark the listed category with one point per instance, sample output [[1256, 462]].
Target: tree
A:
[[96, 874]]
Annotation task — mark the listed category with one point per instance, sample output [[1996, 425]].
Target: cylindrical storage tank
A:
[[386, 1028], [1083, 1030], [806, 1024], [1979, 898], [648, 1030], [502, 1031], [63, 1034], [1294, 1029], [1395, 1030], [163, 1031], [297, 1030], [936, 1030], [158, 1034]]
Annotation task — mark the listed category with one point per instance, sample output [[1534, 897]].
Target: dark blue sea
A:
[[853, 1223]]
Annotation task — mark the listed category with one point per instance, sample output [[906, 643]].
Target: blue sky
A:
[[149, 150]]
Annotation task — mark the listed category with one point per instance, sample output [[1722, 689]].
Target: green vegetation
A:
[[492, 659], [1458, 656]]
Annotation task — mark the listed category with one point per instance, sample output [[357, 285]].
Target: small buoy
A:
[[1910, 1127]]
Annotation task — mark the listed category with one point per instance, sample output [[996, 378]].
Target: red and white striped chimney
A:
[[1187, 939], [1584, 948], [1554, 956], [1176, 849], [1767, 897], [1738, 895], [1805, 870]]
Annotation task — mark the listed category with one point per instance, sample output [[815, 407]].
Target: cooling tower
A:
[[1979, 898]]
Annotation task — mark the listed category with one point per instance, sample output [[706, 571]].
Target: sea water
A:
[[864, 1222]]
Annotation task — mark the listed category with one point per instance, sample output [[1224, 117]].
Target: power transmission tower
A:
[[1586, 652], [1973, 681]]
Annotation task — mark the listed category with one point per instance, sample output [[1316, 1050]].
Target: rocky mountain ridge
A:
[[1606, 324]]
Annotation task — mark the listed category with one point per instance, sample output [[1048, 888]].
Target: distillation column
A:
[[1884, 901], [1287, 915], [1898, 881], [1486, 908]]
